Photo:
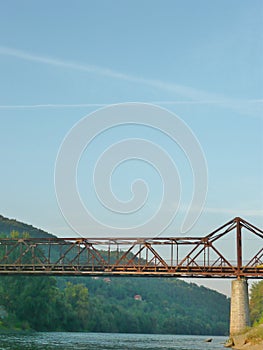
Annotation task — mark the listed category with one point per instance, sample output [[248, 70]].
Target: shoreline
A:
[[252, 339]]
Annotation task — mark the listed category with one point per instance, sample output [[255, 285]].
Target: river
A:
[[104, 341]]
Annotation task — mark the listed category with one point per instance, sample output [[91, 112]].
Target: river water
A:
[[103, 341]]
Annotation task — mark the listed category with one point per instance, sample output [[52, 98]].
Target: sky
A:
[[64, 61]]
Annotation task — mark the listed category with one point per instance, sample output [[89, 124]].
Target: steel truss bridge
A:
[[166, 257]]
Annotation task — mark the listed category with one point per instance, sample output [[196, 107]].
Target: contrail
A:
[[52, 105], [83, 105], [251, 107], [189, 92], [193, 96]]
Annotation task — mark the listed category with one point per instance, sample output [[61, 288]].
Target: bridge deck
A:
[[171, 271]]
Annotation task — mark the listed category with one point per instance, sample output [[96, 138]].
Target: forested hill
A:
[[130, 305], [9, 225]]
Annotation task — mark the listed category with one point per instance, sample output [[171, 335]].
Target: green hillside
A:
[[9, 225], [156, 305], [131, 305]]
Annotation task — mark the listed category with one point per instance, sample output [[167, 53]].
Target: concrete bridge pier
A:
[[239, 313]]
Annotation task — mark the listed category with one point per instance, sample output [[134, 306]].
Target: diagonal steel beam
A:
[[154, 252]]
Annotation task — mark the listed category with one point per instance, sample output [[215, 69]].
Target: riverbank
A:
[[252, 339]]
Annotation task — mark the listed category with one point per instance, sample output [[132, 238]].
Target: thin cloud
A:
[[183, 90], [61, 63], [195, 96]]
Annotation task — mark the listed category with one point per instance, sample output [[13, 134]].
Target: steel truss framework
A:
[[167, 257]]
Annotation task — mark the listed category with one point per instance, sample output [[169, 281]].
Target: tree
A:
[[256, 303], [77, 307]]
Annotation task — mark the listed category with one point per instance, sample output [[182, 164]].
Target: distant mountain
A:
[[9, 225]]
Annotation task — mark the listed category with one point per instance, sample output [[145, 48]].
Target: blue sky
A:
[[202, 60]]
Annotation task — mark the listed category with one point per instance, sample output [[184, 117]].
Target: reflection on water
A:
[[103, 341]]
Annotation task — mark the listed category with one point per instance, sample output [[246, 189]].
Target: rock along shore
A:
[[251, 340]]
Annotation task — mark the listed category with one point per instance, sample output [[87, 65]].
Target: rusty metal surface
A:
[[163, 257]]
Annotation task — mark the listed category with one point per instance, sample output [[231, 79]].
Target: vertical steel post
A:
[[239, 247], [109, 254]]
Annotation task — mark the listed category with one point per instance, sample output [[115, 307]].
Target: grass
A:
[[255, 334]]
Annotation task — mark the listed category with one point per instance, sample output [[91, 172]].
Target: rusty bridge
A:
[[168, 257]]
